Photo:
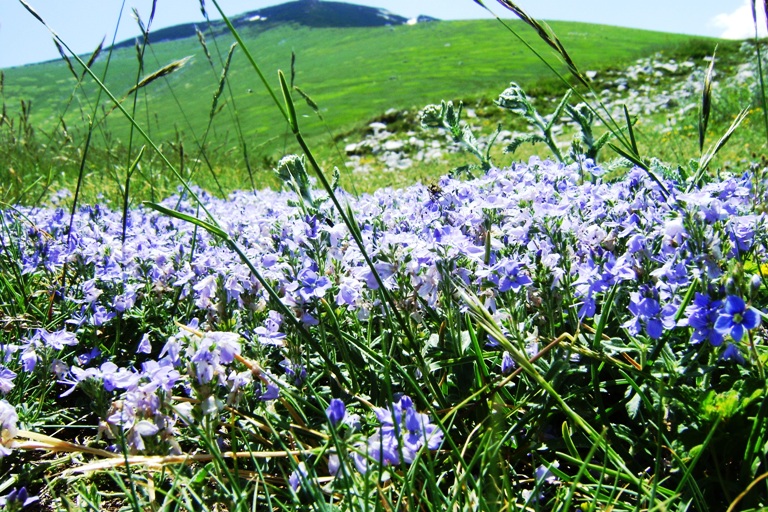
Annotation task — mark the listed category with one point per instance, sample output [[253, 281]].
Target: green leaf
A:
[[289, 106], [211, 228], [532, 138], [633, 405]]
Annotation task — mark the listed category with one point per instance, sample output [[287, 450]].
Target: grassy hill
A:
[[353, 74]]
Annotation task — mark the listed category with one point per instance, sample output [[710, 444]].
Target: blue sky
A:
[[82, 23]]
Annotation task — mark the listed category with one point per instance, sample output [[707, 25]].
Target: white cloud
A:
[[739, 24]]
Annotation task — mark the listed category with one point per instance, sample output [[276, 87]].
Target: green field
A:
[[353, 74]]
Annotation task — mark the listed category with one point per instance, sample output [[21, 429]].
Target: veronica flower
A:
[[309, 285], [349, 292], [648, 315], [736, 318], [701, 316], [402, 430], [100, 315], [269, 333], [135, 436], [17, 499], [272, 392], [125, 301], [732, 353], [380, 449], [206, 291], [295, 371], [145, 347], [298, 476], [8, 420], [507, 363], [6, 379], [115, 377], [84, 359], [336, 411], [59, 339]]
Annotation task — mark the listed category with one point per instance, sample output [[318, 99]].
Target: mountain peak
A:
[[310, 13]]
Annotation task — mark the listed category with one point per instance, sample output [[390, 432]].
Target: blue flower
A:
[[298, 476], [336, 411], [6, 379], [8, 420], [507, 363], [701, 316], [736, 318], [58, 339], [17, 499], [508, 275], [732, 353], [145, 346]]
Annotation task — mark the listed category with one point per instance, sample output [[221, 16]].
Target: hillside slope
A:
[[353, 74], [308, 13]]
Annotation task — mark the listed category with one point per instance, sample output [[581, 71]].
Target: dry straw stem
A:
[[52, 444], [746, 491], [160, 461], [111, 460]]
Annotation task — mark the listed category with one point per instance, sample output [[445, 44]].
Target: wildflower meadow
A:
[[581, 330]]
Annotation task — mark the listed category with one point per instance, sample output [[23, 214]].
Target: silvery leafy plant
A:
[[448, 117]]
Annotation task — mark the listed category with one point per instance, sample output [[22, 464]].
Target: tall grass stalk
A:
[[759, 58]]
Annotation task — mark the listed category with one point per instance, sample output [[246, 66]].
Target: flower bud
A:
[[514, 99], [336, 411], [431, 116]]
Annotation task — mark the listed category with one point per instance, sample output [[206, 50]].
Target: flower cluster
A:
[[401, 434], [546, 246]]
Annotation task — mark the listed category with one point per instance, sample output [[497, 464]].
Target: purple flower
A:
[[349, 292], [58, 339], [298, 476], [732, 353], [380, 449], [544, 474], [6, 379], [736, 318], [272, 392], [649, 315], [140, 430], [701, 316], [89, 356], [269, 333], [336, 411], [508, 275], [17, 499], [8, 420], [334, 463], [403, 430], [228, 344], [309, 285], [295, 371], [145, 347], [507, 363], [115, 377]]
